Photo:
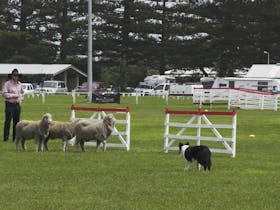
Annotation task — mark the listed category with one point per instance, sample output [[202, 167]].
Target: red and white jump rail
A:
[[238, 97], [99, 113], [202, 122]]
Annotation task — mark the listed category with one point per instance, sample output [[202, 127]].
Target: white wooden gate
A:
[[202, 122], [98, 114], [238, 97]]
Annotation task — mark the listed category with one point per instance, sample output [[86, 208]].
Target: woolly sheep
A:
[[39, 130], [86, 131], [63, 130]]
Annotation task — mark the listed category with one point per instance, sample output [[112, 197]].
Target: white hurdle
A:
[[99, 114], [203, 123]]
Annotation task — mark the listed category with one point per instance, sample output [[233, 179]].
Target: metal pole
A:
[[89, 70], [266, 52], [267, 58]]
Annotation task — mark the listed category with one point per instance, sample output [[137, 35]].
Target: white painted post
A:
[[166, 132], [136, 99], [73, 96], [275, 102], [128, 131], [234, 119], [262, 102], [198, 131], [43, 98], [166, 99], [200, 101], [72, 118], [229, 98]]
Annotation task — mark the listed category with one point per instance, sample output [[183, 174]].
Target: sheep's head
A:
[[47, 118], [109, 120]]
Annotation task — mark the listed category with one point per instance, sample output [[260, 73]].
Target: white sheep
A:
[[62, 130], [86, 131], [38, 130]]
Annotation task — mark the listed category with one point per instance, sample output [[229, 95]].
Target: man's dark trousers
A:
[[12, 110]]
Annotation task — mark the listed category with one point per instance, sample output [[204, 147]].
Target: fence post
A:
[[128, 131], [234, 119], [166, 132]]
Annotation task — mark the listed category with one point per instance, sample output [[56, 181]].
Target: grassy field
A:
[[145, 177]]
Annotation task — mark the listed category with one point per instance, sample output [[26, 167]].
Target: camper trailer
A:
[[261, 84]]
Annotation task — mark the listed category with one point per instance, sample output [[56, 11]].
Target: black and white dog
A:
[[200, 153]]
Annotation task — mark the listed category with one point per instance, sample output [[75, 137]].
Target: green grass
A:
[[144, 177]]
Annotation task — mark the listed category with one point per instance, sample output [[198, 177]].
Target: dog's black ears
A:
[[180, 144], [187, 143]]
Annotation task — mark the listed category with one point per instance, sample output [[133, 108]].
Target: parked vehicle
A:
[[161, 89], [96, 87], [27, 88], [55, 86], [154, 80], [142, 88], [183, 89], [173, 89], [112, 96], [40, 90]]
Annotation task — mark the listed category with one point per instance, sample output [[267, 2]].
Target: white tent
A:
[[264, 71]]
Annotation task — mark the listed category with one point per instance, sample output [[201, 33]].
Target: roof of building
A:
[[46, 69], [264, 71]]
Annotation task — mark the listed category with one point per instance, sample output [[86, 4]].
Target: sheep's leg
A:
[[97, 145], [46, 145], [65, 144], [104, 145], [82, 145], [16, 142], [23, 144], [38, 144], [42, 145]]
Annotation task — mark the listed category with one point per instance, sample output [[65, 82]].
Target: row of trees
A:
[[133, 38]]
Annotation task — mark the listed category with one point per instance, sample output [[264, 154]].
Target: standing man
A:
[[13, 93]]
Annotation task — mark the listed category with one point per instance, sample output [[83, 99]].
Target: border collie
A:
[[200, 153]]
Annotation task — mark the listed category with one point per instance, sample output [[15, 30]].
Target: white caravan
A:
[[261, 84]]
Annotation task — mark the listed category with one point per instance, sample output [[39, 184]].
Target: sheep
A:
[[39, 130], [63, 130], [86, 131]]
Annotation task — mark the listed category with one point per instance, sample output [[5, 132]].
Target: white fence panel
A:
[[237, 97], [199, 121], [98, 114]]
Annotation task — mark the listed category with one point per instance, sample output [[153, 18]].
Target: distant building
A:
[[37, 73]]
